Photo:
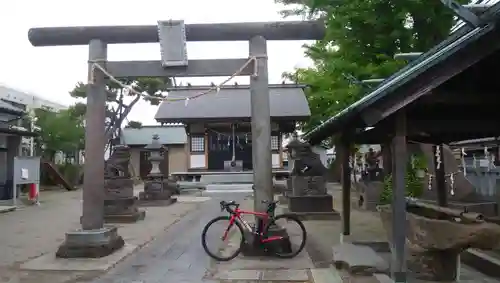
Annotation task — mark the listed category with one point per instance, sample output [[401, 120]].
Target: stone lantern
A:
[[156, 150], [158, 190]]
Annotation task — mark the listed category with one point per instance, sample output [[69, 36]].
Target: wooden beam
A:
[[463, 97], [488, 127], [437, 111], [432, 130], [195, 68]]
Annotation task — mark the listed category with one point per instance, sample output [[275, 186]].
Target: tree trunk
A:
[[119, 120]]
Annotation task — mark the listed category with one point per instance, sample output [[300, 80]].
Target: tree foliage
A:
[[361, 39], [59, 131], [120, 101], [134, 124]]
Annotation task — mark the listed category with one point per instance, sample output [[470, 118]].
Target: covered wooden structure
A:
[[448, 94]]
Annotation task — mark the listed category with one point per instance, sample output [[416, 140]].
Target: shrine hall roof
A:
[[288, 102], [172, 134], [5, 107]]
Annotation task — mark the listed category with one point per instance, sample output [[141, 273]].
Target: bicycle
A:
[[259, 233]]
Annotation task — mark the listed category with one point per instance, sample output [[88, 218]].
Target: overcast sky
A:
[[51, 72]]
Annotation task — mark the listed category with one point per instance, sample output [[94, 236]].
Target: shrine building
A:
[[218, 126]]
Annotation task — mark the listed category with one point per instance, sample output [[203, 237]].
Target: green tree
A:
[[120, 101], [361, 40], [58, 131], [134, 124]]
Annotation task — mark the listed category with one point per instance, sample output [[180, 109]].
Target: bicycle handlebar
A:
[[227, 206]]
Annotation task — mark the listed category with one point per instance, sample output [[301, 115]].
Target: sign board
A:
[[26, 170], [172, 37]]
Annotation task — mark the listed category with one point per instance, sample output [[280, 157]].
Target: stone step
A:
[[240, 178], [326, 275], [229, 188], [487, 262], [358, 259]]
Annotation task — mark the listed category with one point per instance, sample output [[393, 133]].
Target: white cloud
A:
[[52, 71]]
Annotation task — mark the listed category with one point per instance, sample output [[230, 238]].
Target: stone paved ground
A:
[[258, 269], [35, 230], [175, 255]]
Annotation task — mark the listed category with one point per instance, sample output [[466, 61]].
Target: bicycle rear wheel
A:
[[231, 235], [296, 234]]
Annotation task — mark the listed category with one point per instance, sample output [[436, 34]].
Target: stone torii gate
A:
[[95, 240]]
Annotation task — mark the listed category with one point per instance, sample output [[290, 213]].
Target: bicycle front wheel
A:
[[221, 240], [296, 231]]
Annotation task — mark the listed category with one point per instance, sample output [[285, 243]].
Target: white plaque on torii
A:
[[172, 38]]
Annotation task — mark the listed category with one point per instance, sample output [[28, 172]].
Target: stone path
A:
[[171, 252], [258, 269], [30, 236], [174, 257]]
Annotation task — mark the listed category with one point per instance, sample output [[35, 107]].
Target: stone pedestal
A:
[[308, 185], [438, 265], [254, 248], [157, 193], [369, 194], [90, 243], [120, 204], [287, 191], [313, 207], [279, 186], [310, 199]]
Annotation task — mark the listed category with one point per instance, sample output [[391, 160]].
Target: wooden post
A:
[[439, 172], [345, 153], [399, 148]]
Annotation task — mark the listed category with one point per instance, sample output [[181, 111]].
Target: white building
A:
[[27, 102]]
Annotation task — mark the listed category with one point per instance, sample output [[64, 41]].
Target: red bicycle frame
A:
[[264, 217]]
